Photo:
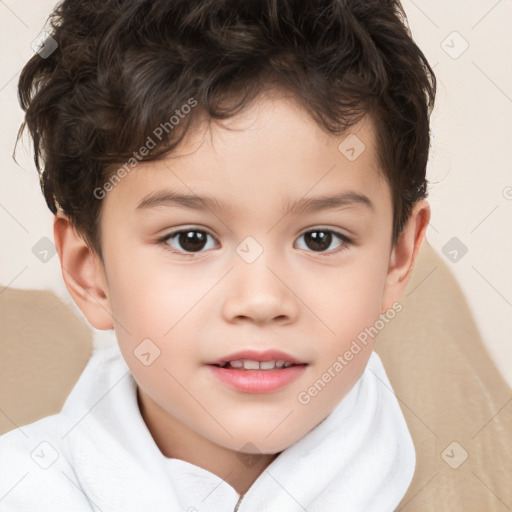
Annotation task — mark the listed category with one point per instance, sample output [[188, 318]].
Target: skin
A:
[[199, 306]]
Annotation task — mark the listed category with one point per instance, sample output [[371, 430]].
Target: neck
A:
[[176, 440]]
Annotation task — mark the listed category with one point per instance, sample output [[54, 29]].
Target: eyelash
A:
[[345, 241]]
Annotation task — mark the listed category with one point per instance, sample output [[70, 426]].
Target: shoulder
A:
[[37, 470], [38, 461], [19, 442], [35, 473]]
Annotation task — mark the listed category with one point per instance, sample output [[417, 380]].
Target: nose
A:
[[261, 294]]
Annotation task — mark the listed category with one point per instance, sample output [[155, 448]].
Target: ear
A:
[[83, 273], [404, 252]]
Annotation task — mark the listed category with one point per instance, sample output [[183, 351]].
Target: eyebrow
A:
[[190, 201], [304, 205], [343, 200]]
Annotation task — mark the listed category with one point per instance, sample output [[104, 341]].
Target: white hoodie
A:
[[98, 455]]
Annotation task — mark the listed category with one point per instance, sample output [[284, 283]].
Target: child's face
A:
[[200, 307]]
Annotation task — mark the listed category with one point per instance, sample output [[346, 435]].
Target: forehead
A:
[[273, 151]]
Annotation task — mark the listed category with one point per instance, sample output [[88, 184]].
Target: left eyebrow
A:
[[343, 200]]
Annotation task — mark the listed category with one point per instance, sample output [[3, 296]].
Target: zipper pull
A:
[[239, 501]]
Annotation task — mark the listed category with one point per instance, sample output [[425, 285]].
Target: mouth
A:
[[251, 365], [257, 372], [257, 360]]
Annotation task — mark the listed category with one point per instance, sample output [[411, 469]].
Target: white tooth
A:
[[267, 365], [279, 364], [236, 364], [251, 365], [287, 364]]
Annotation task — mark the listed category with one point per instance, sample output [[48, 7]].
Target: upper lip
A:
[[255, 355]]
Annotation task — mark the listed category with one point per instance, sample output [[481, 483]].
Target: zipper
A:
[[239, 501]]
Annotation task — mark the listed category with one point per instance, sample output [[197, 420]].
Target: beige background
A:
[[470, 167]]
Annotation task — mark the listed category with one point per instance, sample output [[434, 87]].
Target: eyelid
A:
[[191, 227], [336, 231], [321, 227], [163, 239]]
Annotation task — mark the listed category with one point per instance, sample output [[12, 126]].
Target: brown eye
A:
[[190, 240], [320, 240]]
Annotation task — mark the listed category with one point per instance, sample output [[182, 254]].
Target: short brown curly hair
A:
[[123, 67]]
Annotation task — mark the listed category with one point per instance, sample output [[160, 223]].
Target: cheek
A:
[[348, 299], [153, 311], [149, 297]]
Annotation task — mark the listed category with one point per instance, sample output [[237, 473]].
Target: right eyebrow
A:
[[193, 202]]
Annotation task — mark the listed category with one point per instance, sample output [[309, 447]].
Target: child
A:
[[291, 139]]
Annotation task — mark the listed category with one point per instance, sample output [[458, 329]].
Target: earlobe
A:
[[83, 273], [404, 253]]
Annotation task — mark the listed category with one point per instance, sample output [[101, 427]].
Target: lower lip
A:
[[258, 381]]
